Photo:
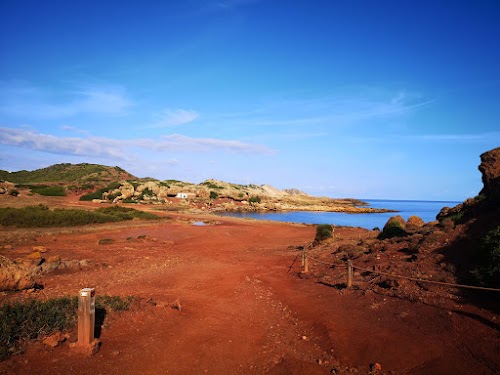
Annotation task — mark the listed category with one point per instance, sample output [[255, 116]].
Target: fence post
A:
[[349, 273], [303, 257], [306, 263], [86, 316]]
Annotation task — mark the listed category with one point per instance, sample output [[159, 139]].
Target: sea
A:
[[426, 210]]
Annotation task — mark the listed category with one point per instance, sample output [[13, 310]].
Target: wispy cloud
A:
[[174, 117], [456, 138], [27, 101], [122, 149], [348, 108]]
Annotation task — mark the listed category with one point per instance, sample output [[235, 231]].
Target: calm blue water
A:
[[427, 210]]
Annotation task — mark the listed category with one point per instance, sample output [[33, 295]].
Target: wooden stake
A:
[[306, 263], [86, 316], [349, 273]]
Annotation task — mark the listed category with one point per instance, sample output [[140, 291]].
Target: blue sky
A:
[[364, 99]]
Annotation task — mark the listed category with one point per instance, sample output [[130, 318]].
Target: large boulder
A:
[[490, 169], [15, 276]]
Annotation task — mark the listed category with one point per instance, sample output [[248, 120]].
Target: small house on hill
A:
[[182, 195]]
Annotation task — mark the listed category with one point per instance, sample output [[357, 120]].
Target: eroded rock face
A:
[[14, 276], [490, 169]]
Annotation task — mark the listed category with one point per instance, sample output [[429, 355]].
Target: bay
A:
[[426, 210]]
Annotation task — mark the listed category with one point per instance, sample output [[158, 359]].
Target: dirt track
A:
[[241, 311]]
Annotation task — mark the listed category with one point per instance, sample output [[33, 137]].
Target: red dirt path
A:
[[242, 312]]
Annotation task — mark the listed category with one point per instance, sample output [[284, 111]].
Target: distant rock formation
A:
[[490, 169], [489, 197]]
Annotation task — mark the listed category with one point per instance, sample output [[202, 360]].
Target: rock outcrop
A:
[[490, 169], [488, 198], [15, 276]]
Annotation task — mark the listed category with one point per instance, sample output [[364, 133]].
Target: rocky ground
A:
[[230, 297]]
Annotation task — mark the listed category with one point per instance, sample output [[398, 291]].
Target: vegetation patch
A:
[[99, 192], [42, 216], [65, 172], [393, 228], [213, 195], [487, 271], [211, 185], [50, 191], [323, 232], [254, 199], [29, 320]]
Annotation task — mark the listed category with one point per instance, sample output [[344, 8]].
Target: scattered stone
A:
[[34, 255], [41, 249], [304, 338], [8, 247], [54, 259], [88, 350], [375, 368], [54, 340]]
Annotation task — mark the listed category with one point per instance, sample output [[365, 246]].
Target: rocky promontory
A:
[[103, 184]]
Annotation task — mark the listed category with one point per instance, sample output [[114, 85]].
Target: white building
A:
[[182, 195]]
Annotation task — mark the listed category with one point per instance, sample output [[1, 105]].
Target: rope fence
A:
[[351, 267]]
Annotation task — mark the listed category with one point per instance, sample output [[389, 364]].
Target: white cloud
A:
[[121, 149], [174, 117]]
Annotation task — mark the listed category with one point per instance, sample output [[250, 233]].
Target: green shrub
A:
[[323, 232], [211, 185], [393, 228], [51, 191], [14, 192], [254, 199], [28, 320], [98, 193], [487, 271], [147, 192], [213, 195], [41, 216]]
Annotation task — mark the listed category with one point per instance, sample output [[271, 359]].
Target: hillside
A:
[[103, 184], [68, 173]]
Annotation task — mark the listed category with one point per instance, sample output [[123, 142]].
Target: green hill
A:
[[69, 173]]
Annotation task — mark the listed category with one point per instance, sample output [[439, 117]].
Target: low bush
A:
[[487, 270], [255, 199], [98, 193], [393, 228], [28, 320], [213, 195], [42, 216], [323, 232]]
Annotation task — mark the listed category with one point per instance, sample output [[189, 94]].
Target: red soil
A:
[[242, 312]]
